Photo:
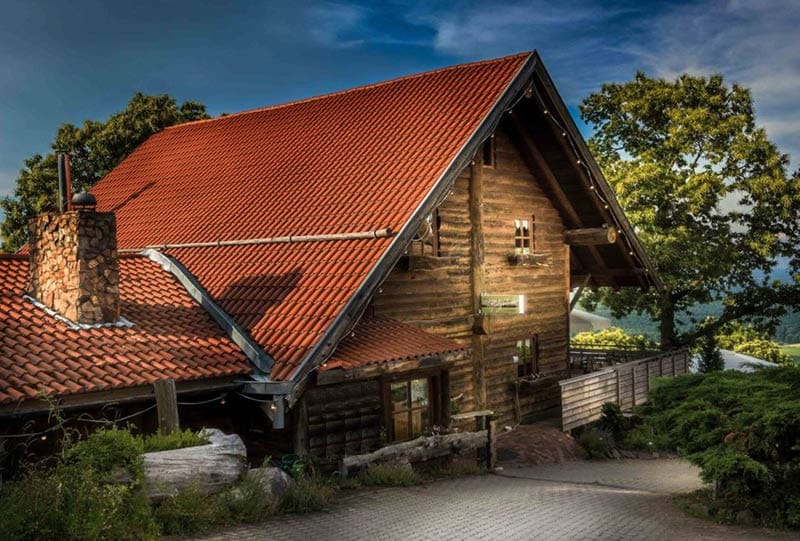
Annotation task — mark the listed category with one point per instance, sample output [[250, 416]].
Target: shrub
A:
[[612, 420], [388, 475], [597, 442], [613, 336], [81, 498], [306, 495], [742, 430]]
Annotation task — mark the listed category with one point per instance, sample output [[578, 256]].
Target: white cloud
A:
[[751, 43], [331, 23]]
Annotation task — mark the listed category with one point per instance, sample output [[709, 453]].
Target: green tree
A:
[[710, 356], [750, 341], [708, 195], [95, 149]]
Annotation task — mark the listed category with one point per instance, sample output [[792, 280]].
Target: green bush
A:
[[612, 420], [597, 442], [388, 475], [81, 497], [176, 440], [742, 430], [613, 336]]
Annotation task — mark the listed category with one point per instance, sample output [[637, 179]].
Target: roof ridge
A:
[[352, 90]]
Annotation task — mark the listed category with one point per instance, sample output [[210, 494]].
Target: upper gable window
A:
[[522, 237], [488, 152]]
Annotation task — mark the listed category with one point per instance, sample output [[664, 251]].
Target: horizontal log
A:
[[211, 468], [418, 450], [590, 236]]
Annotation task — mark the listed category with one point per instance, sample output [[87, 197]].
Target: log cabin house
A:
[[357, 266]]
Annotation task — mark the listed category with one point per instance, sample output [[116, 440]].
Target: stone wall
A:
[[74, 265]]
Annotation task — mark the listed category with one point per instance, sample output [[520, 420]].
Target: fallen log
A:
[[418, 450], [210, 468]]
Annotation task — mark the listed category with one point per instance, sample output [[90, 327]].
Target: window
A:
[[527, 357], [426, 239], [488, 152], [410, 411], [522, 237]]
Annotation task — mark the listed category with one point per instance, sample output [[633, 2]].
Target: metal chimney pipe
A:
[[68, 182], [62, 184]]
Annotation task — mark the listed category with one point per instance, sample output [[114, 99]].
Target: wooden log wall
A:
[[436, 293], [627, 384], [343, 419]]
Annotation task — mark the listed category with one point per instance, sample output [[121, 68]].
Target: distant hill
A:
[[788, 331]]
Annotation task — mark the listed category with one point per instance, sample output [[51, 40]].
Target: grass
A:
[[176, 440], [307, 495], [792, 350], [388, 475]]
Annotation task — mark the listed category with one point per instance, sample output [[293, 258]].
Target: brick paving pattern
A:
[[579, 500]]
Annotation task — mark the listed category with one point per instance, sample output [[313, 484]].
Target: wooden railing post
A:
[[633, 386], [491, 450]]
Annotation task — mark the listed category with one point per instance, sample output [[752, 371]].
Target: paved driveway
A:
[[575, 500]]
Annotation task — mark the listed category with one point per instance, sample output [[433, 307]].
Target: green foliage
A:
[[81, 497], [742, 430], [612, 420], [708, 194], [306, 495], [748, 340], [388, 475], [710, 357], [598, 442], [613, 336], [95, 149], [176, 440], [188, 511]]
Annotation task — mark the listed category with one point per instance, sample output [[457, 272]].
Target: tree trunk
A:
[[667, 321]]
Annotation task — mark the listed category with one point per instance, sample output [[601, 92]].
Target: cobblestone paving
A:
[[578, 500]]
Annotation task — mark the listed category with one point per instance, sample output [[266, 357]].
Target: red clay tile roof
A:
[[378, 340], [172, 337], [358, 160]]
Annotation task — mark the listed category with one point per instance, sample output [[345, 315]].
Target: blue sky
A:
[[65, 62]]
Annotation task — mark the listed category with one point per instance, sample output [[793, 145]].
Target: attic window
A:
[[488, 152], [522, 237]]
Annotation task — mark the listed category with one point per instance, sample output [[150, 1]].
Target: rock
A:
[[210, 468], [274, 481]]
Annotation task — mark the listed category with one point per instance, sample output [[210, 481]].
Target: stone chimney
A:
[[74, 266]]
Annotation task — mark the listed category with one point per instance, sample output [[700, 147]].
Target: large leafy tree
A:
[[707, 193], [95, 149]]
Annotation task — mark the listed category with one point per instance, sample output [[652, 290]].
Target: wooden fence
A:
[[626, 384]]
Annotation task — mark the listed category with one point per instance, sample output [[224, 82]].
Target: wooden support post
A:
[[619, 391], [301, 428], [491, 449], [633, 388], [590, 236], [478, 273], [167, 406]]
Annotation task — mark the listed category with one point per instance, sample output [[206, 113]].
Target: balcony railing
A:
[[594, 357]]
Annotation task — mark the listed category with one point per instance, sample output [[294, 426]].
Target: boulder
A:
[[273, 481]]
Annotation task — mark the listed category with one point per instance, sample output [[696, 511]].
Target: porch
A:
[[622, 376]]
